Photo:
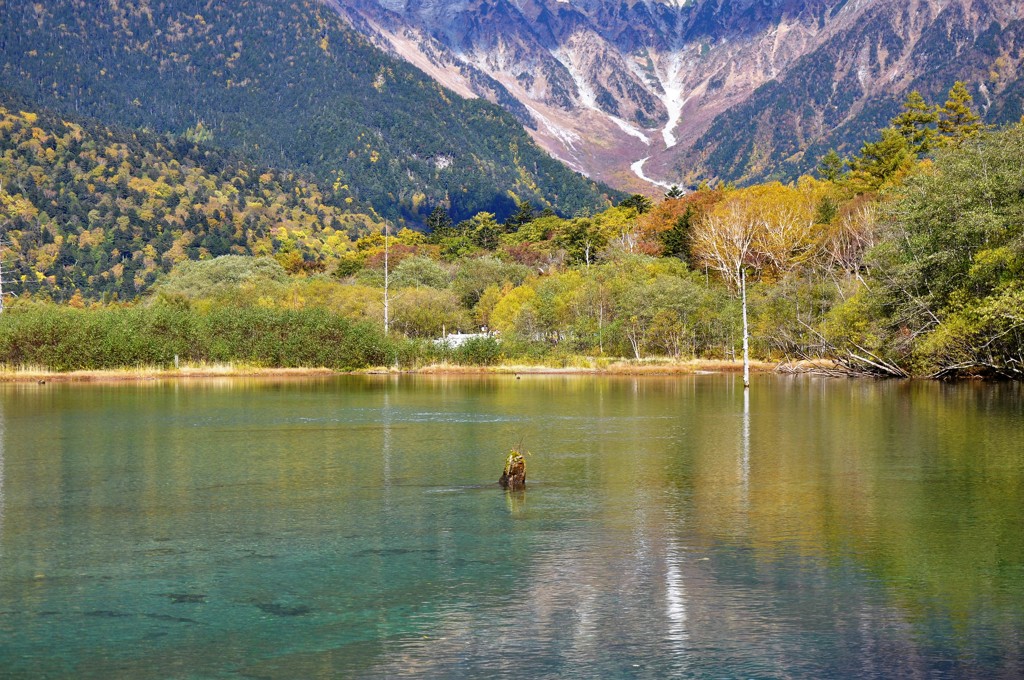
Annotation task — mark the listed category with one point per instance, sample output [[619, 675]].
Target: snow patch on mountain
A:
[[673, 99], [638, 170]]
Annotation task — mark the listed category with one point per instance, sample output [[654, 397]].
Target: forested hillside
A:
[[103, 212], [287, 83]]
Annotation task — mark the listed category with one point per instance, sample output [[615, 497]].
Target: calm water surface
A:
[[352, 527]]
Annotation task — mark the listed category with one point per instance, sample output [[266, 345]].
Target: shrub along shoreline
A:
[[65, 339], [170, 340]]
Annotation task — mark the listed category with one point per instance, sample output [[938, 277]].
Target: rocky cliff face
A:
[[643, 93]]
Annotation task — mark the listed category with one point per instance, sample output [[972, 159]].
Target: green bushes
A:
[[478, 352], [415, 353], [197, 279], [65, 339], [944, 295]]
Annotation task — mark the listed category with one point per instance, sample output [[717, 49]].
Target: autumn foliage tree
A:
[[766, 229]]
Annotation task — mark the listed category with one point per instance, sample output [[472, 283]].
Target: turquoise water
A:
[[352, 527]]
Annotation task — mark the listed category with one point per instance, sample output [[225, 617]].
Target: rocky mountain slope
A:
[[642, 93]]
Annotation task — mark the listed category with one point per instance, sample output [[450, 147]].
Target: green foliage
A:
[[199, 134], [483, 231], [421, 271], [349, 264], [831, 166], [221, 276], [675, 241], [478, 352], [523, 215], [538, 229], [64, 338], [783, 316], [637, 202], [951, 264], [438, 222], [474, 275], [827, 210], [917, 123], [958, 123], [427, 312], [882, 161], [582, 238]]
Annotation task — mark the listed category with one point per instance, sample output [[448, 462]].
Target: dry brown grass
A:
[[586, 366], [213, 370], [576, 366]]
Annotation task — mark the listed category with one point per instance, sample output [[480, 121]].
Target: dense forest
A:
[[287, 84], [905, 259], [103, 212]]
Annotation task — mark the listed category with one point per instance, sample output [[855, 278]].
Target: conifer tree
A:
[[916, 123], [675, 242], [439, 223], [881, 160], [958, 122], [638, 202], [674, 192], [831, 166], [521, 217]]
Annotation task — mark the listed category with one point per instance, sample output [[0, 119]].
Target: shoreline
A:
[[597, 368], [141, 374]]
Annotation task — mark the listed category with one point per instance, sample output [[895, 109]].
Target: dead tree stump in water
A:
[[513, 477]]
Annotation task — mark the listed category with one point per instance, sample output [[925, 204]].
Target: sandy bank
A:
[[580, 366]]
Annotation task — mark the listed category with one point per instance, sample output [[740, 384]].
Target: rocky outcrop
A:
[[729, 89]]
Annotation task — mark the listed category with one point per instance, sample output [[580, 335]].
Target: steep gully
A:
[[672, 99], [583, 135]]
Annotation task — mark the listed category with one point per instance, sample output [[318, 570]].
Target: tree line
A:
[[906, 259]]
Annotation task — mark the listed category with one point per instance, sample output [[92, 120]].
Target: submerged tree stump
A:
[[513, 477]]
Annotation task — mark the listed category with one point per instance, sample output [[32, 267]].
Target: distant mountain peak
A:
[[733, 89]]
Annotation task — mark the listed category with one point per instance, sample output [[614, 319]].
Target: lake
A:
[[671, 527]]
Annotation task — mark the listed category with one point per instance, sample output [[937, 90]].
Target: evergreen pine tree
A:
[[878, 161], [675, 242], [958, 122], [916, 123], [638, 202], [521, 217], [439, 223], [831, 166], [674, 192]]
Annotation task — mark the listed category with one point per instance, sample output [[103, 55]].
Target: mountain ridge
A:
[[695, 90]]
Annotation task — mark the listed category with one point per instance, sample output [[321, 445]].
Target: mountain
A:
[[681, 90], [288, 84]]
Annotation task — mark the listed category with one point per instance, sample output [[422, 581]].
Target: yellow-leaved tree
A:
[[766, 229]]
